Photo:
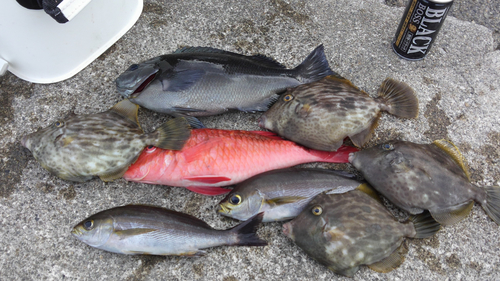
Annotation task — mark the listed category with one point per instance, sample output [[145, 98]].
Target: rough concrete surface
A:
[[458, 86]]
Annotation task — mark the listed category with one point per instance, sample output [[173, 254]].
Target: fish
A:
[[79, 147], [322, 114], [434, 177], [150, 230], [345, 231], [212, 158], [282, 194], [203, 81]]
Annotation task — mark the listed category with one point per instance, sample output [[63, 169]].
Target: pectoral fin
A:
[[176, 81], [284, 200], [391, 262], [123, 234]]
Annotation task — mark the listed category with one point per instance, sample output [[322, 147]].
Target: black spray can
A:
[[419, 27]]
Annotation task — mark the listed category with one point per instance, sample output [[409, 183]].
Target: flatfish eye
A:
[[150, 148], [235, 200], [88, 225], [59, 124], [388, 146], [288, 97], [317, 210]]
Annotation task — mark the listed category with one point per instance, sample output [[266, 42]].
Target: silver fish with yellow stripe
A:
[[104, 144], [418, 177], [148, 230], [282, 194]]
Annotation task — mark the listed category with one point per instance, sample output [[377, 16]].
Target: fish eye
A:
[[59, 124], [235, 200], [133, 67], [388, 146], [317, 210], [150, 148], [88, 225], [288, 97]]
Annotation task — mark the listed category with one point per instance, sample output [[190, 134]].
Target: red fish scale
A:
[[223, 155]]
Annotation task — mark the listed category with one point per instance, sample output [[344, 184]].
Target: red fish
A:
[[212, 158]]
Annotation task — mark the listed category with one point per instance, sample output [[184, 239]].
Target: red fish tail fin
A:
[[339, 156], [246, 232]]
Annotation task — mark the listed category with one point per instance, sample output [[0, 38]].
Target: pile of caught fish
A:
[[336, 219]]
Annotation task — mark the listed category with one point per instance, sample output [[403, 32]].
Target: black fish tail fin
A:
[[246, 232], [173, 134], [492, 206], [315, 66], [425, 225], [398, 99]]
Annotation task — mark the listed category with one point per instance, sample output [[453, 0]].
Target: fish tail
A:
[[398, 99], [173, 134], [339, 156], [425, 225], [492, 205], [315, 66], [246, 232]]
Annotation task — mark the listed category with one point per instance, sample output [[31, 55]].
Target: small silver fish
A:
[[345, 231], [417, 177], [202, 81], [103, 144], [148, 230], [282, 194], [322, 114]]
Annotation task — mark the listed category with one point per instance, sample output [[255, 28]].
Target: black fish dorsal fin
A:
[[267, 61], [128, 110], [187, 50], [455, 154]]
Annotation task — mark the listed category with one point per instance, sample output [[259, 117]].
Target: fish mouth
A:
[[76, 232], [262, 122], [142, 86], [23, 141], [223, 209], [352, 157], [287, 229]]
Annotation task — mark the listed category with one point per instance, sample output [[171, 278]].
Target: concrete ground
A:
[[458, 86]]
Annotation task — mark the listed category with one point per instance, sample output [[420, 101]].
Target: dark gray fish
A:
[[148, 230], [322, 114], [417, 177], [104, 144], [282, 194], [201, 81], [345, 231]]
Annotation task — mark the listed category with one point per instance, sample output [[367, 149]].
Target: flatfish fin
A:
[[454, 153], [391, 262], [452, 215], [349, 272], [176, 81], [398, 99], [362, 137], [425, 225], [111, 176], [128, 110], [367, 189]]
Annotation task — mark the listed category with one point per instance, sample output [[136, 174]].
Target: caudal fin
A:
[[492, 206], [315, 66], [425, 225], [398, 98], [339, 156], [173, 134], [246, 232]]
